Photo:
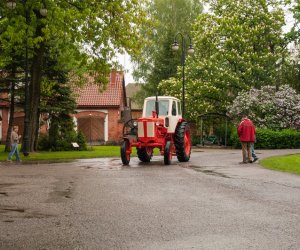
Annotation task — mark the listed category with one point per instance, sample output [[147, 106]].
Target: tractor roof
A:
[[162, 98]]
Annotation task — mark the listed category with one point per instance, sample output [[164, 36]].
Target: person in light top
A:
[[14, 140]]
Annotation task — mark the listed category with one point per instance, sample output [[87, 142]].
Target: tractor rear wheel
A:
[[168, 153], [182, 141], [145, 154], [125, 152]]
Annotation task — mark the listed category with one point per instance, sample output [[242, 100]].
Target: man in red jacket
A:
[[246, 132]]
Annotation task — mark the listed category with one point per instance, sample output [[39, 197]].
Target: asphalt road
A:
[[211, 202]]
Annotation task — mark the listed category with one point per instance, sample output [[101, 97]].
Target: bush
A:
[[43, 142], [270, 139], [81, 141], [62, 145], [195, 139], [62, 135]]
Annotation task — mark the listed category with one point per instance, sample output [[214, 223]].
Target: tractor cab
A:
[[167, 105], [169, 109]]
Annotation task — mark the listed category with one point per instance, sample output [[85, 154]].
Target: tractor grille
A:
[[146, 129]]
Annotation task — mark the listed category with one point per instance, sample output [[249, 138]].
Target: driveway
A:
[[211, 202]]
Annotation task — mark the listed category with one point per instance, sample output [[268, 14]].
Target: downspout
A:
[[124, 91]]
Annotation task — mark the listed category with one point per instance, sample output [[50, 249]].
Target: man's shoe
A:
[[9, 160], [255, 159]]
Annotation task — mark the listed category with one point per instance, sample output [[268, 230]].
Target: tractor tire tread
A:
[[143, 154], [179, 142], [123, 149]]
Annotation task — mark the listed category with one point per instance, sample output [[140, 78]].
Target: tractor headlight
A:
[[135, 124], [157, 123]]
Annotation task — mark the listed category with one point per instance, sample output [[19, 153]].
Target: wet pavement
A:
[[211, 202]]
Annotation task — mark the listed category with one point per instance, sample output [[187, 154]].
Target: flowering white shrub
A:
[[268, 108]]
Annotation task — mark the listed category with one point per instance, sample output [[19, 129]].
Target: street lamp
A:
[[43, 12], [184, 49], [12, 5]]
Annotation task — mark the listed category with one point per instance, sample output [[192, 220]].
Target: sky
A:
[[127, 65]]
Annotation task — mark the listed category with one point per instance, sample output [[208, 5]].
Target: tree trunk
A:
[[35, 89], [35, 143], [12, 110]]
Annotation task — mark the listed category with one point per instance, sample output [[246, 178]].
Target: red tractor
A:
[[162, 127]]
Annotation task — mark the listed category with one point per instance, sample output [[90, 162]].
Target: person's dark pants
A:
[[253, 153]]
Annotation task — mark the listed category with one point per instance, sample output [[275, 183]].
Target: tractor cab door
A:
[[175, 115]]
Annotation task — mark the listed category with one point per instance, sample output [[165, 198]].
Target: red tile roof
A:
[[90, 96]]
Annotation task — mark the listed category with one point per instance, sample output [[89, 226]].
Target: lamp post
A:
[[184, 49], [12, 5], [90, 115]]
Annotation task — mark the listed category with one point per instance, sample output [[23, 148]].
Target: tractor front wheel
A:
[[145, 154], [182, 141], [168, 153], [125, 152]]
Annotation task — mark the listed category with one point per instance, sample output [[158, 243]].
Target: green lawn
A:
[[93, 152], [289, 163]]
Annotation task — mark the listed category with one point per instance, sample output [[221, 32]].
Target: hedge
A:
[[270, 139]]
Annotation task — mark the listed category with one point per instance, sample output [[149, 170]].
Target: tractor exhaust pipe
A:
[[156, 106]]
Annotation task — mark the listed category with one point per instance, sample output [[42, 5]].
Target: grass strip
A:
[[92, 152], [288, 163]]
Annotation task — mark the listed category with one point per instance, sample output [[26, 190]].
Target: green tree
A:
[[158, 62], [293, 36], [11, 82], [83, 36], [238, 45], [59, 103]]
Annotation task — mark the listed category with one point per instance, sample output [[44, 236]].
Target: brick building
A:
[[4, 114], [99, 113]]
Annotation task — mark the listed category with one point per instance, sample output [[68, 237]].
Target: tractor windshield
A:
[[162, 104]]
